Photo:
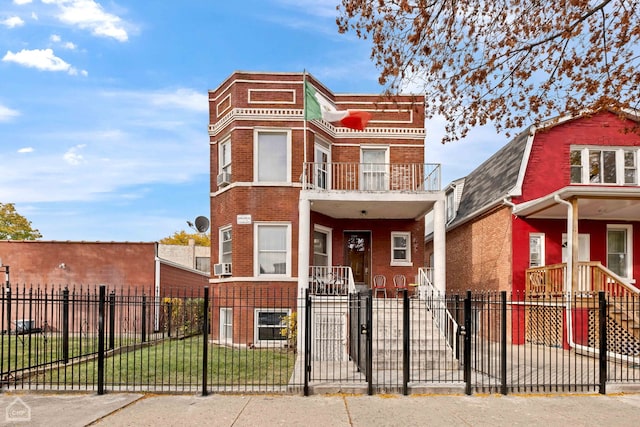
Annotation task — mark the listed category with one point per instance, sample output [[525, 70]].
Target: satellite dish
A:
[[202, 224]]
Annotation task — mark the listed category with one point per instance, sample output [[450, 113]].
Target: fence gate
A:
[[338, 341]]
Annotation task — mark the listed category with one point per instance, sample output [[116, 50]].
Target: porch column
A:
[[304, 231], [439, 247], [574, 244]]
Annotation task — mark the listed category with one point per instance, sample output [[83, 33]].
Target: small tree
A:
[[182, 238], [14, 226]]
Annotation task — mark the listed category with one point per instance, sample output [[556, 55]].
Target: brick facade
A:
[[248, 103]]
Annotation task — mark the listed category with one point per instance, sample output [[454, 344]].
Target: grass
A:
[[28, 350], [178, 363]]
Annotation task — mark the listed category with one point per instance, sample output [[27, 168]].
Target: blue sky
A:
[[103, 104]]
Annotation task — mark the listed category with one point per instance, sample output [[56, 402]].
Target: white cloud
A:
[[7, 113], [187, 99], [12, 22], [55, 38], [34, 16], [89, 15], [21, 2], [26, 150], [184, 99], [42, 59], [138, 138], [73, 157]]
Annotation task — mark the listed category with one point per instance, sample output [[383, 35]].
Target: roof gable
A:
[[492, 181]]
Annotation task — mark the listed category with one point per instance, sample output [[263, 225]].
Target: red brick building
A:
[[563, 194], [299, 205], [553, 217], [119, 265]]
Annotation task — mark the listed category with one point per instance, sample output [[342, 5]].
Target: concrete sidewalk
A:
[[115, 409]]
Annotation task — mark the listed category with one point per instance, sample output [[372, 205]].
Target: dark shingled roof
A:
[[492, 180]]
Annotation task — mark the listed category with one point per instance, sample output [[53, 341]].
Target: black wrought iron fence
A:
[[268, 339], [200, 340]]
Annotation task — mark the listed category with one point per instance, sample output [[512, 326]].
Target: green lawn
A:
[[178, 363]]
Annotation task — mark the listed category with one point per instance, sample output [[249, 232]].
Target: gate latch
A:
[[363, 328]]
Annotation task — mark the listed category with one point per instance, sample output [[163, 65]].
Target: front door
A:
[[357, 255]]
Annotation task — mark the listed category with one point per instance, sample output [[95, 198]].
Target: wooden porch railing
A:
[[593, 277]]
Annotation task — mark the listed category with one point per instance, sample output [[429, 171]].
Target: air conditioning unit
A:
[[224, 179], [223, 269]]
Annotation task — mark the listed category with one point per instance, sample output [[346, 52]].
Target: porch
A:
[[354, 209]]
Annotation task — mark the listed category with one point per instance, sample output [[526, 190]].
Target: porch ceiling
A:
[[363, 206], [621, 204]]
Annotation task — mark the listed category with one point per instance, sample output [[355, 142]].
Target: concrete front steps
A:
[[429, 351]]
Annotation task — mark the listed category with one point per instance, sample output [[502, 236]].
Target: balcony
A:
[[371, 177]]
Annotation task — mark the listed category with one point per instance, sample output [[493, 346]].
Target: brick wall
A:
[[80, 263], [479, 253]]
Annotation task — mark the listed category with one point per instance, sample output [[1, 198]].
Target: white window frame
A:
[[256, 160], [365, 183], [224, 165], [323, 148], [256, 248], [450, 205], [328, 232], [283, 324], [628, 228], [226, 321], [406, 262], [621, 168], [221, 240], [540, 248]]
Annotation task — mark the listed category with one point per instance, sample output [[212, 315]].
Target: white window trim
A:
[[256, 160], [543, 260], [256, 336], [629, 230], [221, 164], [256, 263], [325, 147], [450, 205], [620, 167], [226, 339], [220, 231], [401, 263], [364, 148], [329, 232]]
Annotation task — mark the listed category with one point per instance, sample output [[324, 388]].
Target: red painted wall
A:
[[549, 170]]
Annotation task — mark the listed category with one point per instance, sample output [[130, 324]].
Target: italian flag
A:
[[316, 107]]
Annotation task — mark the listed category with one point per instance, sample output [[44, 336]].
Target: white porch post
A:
[[304, 231], [439, 247]]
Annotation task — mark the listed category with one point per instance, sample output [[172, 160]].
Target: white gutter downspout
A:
[[569, 275], [156, 320]]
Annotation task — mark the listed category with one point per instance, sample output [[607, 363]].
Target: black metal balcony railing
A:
[[417, 177]]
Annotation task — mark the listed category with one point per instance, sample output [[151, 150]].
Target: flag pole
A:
[[304, 118]]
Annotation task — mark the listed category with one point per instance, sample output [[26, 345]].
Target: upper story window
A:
[[272, 159], [374, 169], [225, 156], [322, 160], [604, 165], [450, 203]]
